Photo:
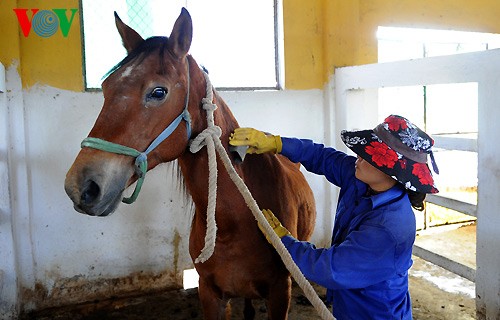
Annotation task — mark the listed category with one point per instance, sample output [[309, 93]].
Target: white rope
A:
[[211, 138], [207, 137]]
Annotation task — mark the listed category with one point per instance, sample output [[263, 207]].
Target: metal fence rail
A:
[[457, 205], [445, 263]]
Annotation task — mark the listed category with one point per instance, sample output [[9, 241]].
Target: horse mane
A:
[[147, 47]]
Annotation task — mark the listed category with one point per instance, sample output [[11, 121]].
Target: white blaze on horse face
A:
[[127, 77], [132, 71], [127, 72]]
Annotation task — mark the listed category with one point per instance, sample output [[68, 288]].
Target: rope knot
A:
[[215, 131], [208, 105], [197, 143]]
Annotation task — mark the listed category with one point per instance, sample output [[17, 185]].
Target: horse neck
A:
[[195, 166]]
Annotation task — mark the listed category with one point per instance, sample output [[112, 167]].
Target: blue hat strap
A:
[[433, 162]]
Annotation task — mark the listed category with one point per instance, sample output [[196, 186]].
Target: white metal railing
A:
[[459, 143], [457, 205], [353, 102], [446, 263], [455, 142]]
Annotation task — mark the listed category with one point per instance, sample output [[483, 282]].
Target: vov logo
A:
[[45, 22]]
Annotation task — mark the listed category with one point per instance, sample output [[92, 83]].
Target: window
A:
[[237, 41], [411, 43]]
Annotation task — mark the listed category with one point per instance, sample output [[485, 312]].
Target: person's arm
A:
[[366, 257], [335, 165]]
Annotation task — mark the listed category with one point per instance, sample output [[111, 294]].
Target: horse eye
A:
[[157, 93]]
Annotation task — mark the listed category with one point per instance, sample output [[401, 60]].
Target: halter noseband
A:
[[141, 158]]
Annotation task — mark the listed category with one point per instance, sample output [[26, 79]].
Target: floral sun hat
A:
[[398, 148]]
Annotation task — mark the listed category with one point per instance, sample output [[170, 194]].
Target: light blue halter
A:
[[141, 158]]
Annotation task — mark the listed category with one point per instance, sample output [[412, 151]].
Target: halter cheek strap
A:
[[141, 158]]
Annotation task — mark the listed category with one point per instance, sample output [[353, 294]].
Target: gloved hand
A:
[[257, 141], [275, 224]]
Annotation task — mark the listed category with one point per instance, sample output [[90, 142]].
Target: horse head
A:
[[144, 121]]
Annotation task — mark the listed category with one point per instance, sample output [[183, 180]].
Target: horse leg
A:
[[278, 301], [212, 304], [249, 310]]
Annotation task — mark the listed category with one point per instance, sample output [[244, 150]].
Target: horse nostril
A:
[[90, 192]]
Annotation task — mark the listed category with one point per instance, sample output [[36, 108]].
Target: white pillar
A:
[[488, 202]]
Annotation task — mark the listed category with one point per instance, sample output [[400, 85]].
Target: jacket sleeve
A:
[[336, 166], [365, 258]]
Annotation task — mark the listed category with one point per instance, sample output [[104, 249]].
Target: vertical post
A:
[[488, 203]]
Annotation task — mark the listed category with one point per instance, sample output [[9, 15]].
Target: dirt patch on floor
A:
[[430, 301]]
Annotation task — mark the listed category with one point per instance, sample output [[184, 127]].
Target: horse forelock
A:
[[146, 48]]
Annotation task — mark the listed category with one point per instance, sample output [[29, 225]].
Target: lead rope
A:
[[211, 138]]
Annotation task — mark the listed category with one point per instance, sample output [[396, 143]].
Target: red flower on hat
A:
[[402, 163], [396, 123], [381, 154], [422, 172]]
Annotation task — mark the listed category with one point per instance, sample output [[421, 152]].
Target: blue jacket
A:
[[365, 270]]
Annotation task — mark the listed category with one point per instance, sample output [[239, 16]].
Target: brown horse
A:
[[159, 83]]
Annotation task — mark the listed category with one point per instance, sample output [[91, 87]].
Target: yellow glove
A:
[[257, 141], [275, 224]]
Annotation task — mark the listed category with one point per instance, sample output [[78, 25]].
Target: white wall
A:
[[59, 256], [8, 286]]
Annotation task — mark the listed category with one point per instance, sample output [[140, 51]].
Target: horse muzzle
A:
[[96, 189]]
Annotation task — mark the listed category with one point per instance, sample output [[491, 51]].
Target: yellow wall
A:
[[349, 27], [319, 35], [56, 60]]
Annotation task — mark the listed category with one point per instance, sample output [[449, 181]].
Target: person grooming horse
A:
[[366, 268]]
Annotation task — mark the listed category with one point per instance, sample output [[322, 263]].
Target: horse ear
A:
[[131, 39], [181, 36]]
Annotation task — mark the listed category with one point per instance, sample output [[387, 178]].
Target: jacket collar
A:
[[382, 198]]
